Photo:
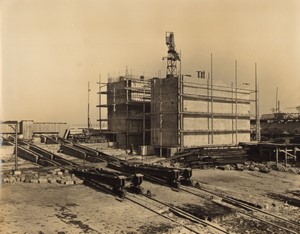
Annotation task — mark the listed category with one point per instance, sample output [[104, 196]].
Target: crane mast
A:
[[172, 57]]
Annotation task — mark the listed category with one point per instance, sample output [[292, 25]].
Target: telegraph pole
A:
[[257, 117], [88, 116], [99, 101]]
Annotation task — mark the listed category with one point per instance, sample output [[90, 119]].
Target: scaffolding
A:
[[128, 109], [208, 103]]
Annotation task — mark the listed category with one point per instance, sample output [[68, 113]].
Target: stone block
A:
[[78, 181], [33, 180], [256, 169], [17, 172], [68, 178], [42, 180], [60, 181], [239, 167], [69, 182], [66, 171], [51, 180], [59, 173], [52, 172], [5, 180], [12, 179], [17, 179], [224, 167], [264, 169], [22, 178], [35, 176], [265, 206], [27, 179], [251, 168]]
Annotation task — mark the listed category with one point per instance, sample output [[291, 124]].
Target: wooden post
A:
[[276, 156], [295, 154], [16, 145], [285, 156]]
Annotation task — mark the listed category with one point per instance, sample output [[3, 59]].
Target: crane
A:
[[172, 57]]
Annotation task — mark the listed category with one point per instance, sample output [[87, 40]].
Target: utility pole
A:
[[88, 116], [257, 118], [276, 106], [212, 98], [16, 144], [236, 102], [14, 125], [160, 118], [99, 101]]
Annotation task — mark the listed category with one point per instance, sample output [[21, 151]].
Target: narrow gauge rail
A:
[[39, 156], [168, 176], [161, 175], [94, 182], [158, 207], [87, 153], [110, 182], [242, 206]]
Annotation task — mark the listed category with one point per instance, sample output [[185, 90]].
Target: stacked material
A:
[[205, 156], [53, 176]]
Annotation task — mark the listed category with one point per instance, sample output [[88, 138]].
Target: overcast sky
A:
[[50, 49]]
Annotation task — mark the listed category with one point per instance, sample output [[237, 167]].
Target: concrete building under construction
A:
[[178, 111], [191, 112], [128, 109]]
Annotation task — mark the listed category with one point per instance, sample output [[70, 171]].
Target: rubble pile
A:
[[60, 176], [260, 167]]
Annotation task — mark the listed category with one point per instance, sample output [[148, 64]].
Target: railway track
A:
[[162, 209], [156, 206], [247, 210]]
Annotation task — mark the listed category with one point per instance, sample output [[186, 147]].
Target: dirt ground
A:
[[57, 208], [47, 208], [256, 188]]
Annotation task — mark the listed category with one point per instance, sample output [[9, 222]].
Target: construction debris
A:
[[53, 176]]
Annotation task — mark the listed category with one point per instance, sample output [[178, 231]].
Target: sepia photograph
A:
[[148, 116]]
